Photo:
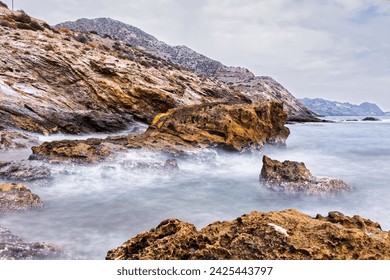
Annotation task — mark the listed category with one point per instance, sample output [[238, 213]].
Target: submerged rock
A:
[[23, 170], [233, 126], [13, 247], [280, 235], [17, 197], [291, 176], [10, 140], [371, 119]]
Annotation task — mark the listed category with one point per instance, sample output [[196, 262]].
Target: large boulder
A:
[[233, 126], [280, 235], [13, 247], [291, 176], [17, 197]]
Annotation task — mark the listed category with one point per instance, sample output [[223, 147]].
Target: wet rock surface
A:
[[24, 170], [13, 140], [280, 235], [13, 247], [292, 177], [233, 126], [17, 197]]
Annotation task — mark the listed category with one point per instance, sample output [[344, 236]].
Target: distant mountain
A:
[[241, 79], [333, 108]]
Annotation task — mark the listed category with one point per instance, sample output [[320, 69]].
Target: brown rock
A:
[[291, 176], [17, 197], [233, 126], [280, 235]]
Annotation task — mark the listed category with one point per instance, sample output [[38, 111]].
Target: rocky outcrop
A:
[[284, 235], [60, 81], [291, 176], [17, 197], [23, 170], [258, 89], [13, 247], [232, 126], [13, 140]]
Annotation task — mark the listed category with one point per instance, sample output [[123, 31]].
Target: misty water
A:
[[92, 209]]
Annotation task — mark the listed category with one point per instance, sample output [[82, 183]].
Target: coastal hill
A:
[[333, 108], [257, 88]]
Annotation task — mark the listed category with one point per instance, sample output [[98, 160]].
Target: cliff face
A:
[[60, 81], [255, 88], [280, 235]]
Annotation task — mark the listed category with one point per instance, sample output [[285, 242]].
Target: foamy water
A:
[[92, 209]]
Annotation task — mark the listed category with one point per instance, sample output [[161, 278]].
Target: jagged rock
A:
[[17, 197], [23, 170], [291, 176], [16, 140], [13, 247], [280, 235], [233, 126]]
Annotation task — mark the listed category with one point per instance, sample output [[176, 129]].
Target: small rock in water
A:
[[17, 197], [291, 176], [371, 119], [13, 247], [24, 170]]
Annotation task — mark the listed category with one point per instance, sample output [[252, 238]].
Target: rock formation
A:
[[23, 170], [13, 247], [59, 81], [284, 235], [291, 176], [13, 140], [17, 197], [231, 126], [258, 89]]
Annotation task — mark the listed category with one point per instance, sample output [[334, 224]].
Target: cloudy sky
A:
[[335, 49]]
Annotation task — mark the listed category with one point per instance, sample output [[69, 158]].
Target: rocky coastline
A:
[[59, 81]]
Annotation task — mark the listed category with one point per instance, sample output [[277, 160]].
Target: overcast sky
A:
[[335, 49]]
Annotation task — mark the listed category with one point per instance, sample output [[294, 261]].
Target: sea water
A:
[[91, 209]]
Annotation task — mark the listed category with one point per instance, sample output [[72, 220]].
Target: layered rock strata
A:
[[284, 235], [292, 177], [232, 126], [60, 81], [17, 197]]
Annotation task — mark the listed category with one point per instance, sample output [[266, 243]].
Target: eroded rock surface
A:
[[280, 235], [23, 170], [291, 176], [232, 126], [17, 197], [13, 247], [13, 140]]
